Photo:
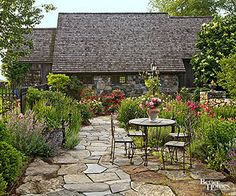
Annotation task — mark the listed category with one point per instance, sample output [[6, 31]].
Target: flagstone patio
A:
[[87, 170]]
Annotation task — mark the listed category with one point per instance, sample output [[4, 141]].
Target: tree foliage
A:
[[17, 18], [216, 40], [227, 77], [16, 72], [193, 7]]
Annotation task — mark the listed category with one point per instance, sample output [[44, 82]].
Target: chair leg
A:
[[176, 155], [113, 152], [171, 153], [162, 157], [190, 157], [132, 153], [184, 160], [111, 148], [126, 149]]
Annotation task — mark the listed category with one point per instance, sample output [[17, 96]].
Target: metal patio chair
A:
[[180, 142], [135, 133], [126, 140]]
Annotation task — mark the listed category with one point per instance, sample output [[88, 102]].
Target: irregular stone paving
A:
[[87, 170]]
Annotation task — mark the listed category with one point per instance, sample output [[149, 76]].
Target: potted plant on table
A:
[[150, 105]]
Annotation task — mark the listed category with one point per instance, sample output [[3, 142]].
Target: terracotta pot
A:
[[153, 114]]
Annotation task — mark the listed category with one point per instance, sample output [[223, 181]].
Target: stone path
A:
[[87, 170]]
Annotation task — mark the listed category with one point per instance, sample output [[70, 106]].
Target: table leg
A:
[[146, 144]]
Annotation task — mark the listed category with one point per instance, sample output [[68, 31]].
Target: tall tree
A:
[[17, 18], [216, 40], [193, 7]]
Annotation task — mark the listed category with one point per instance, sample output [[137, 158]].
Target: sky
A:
[[50, 19]]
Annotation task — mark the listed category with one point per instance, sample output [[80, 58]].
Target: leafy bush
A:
[[27, 134], [213, 140], [227, 76], [3, 185], [4, 133], [128, 110], [69, 85], [87, 93], [54, 108], [16, 72], [216, 40], [58, 82], [74, 88], [11, 162], [85, 113], [196, 95], [96, 106], [33, 95], [226, 111], [112, 101], [185, 93], [176, 109]]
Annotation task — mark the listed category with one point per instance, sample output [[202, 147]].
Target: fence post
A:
[[23, 92]]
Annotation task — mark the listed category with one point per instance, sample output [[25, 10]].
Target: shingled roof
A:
[[43, 45], [124, 42]]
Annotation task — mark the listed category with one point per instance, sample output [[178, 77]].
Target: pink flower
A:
[[21, 116], [178, 98], [151, 103]]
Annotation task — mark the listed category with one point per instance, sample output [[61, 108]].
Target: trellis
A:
[[9, 100]]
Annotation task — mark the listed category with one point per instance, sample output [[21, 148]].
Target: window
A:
[[116, 79], [122, 79]]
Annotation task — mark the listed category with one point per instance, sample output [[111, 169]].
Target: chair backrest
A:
[[184, 132], [112, 126], [189, 126]]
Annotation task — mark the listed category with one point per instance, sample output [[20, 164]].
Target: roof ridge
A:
[[165, 13]]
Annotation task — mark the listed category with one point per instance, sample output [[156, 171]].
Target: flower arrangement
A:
[[151, 103]]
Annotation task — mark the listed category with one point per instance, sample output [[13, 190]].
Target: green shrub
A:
[[11, 162], [3, 185], [54, 108], [213, 140], [196, 95], [185, 94], [227, 75], [32, 96], [176, 109], [74, 88], [4, 132], [225, 111], [69, 85], [58, 82], [27, 134], [128, 110], [96, 106], [85, 113]]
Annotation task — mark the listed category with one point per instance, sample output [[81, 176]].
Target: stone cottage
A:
[[109, 50]]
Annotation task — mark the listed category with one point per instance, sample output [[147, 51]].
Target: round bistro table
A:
[[145, 123]]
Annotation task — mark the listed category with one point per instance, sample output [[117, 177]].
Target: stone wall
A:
[[134, 85], [215, 98]]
